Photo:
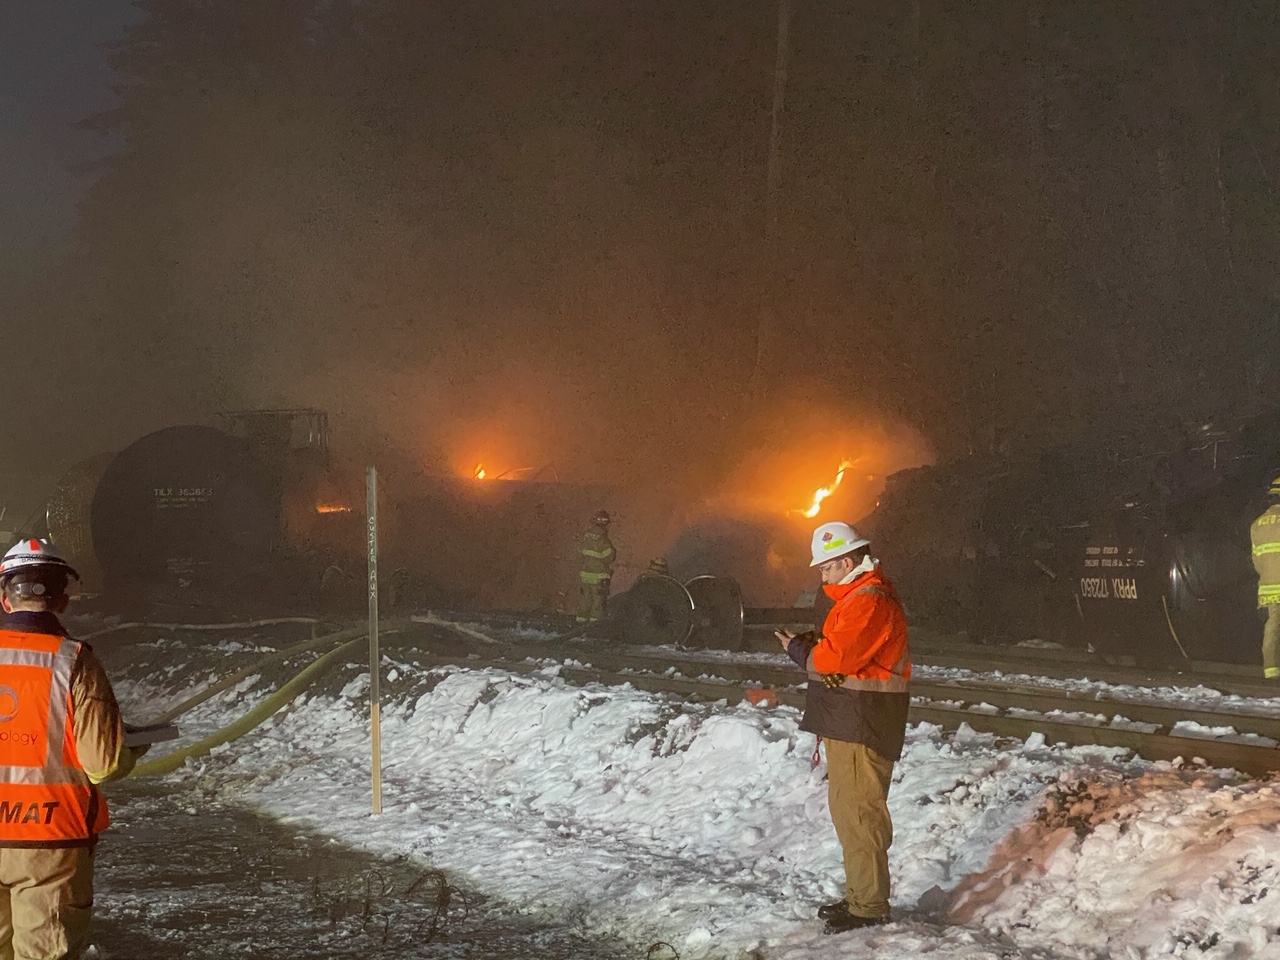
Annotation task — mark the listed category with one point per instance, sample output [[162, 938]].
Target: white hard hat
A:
[[26, 554], [833, 540]]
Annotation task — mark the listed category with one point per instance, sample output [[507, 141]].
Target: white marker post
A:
[[375, 719]]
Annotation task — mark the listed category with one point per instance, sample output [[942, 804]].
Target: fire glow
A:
[[332, 508], [479, 472], [823, 492]]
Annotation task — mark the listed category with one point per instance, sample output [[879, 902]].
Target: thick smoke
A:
[[483, 232], [471, 277]]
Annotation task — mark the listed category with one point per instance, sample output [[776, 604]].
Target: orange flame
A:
[[332, 508], [823, 492], [478, 472]]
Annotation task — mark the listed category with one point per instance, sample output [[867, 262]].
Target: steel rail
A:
[[973, 693], [1164, 717], [936, 649], [931, 702], [1252, 759], [1015, 696], [1108, 673]]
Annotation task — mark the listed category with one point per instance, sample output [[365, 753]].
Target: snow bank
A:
[[705, 826], [1171, 863]]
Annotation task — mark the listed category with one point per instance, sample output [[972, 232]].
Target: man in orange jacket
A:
[[856, 701], [60, 735]]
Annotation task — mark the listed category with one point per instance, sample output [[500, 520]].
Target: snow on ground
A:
[[648, 818]]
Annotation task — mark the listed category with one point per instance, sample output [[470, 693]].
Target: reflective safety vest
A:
[[46, 798], [1265, 534]]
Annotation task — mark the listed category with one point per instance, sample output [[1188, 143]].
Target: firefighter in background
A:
[[55, 693], [1265, 534], [658, 567], [856, 701], [598, 556]]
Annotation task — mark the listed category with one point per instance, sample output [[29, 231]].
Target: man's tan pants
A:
[[46, 898], [858, 787]]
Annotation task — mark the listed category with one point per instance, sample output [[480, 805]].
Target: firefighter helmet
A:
[[34, 553], [832, 540], [601, 517], [658, 567]]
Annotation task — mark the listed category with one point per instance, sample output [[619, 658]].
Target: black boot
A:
[[829, 910], [842, 920]]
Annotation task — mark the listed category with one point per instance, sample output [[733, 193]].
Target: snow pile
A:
[[702, 825], [1161, 865]]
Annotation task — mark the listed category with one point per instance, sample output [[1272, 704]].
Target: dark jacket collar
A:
[[31, 621]]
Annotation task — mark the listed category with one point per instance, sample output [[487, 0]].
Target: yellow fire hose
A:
[[116, 628], [231, 680], [263, 711]]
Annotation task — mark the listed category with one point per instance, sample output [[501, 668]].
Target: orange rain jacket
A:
[[864, 637], [60, 733]]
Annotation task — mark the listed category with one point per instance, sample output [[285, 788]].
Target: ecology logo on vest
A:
[[8, 703]]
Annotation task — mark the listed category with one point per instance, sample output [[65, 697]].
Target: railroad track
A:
[[1070, 664], [931, 649], [1017, 709]]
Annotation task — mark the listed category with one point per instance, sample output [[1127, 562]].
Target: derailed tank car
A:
[[1167, 575], [255, 517], [495, 544], [185, 510], [766, 555], [988, 547], [239, 518], [1145, 554], [68, 516]]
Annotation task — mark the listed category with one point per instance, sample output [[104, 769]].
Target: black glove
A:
[[833, 680]]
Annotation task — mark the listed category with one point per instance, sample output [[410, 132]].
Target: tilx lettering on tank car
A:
[[169, 497]]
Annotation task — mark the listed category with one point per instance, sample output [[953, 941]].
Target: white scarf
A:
[[866, 565]]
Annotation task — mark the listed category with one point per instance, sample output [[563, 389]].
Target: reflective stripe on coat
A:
[[46, 798], [597, 556], [1265, 535]]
